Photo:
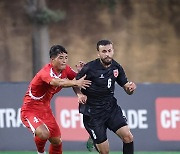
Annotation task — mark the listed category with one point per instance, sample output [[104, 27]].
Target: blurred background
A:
[[146, 35]]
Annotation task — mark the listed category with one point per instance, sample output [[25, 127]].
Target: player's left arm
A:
[[82, 71], [129, 87], [71, 75], [81, 97]]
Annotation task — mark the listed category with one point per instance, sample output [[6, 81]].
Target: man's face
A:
[[106, 53], [60, 61]]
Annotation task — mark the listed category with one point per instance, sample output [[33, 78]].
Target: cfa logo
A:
[[69, 119], [168, 118]]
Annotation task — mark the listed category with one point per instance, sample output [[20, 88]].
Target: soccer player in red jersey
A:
[[36, 113]]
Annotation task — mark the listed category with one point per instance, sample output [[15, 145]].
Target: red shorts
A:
[[33, 119]]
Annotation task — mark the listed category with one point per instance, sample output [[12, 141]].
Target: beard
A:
[[107, 61]]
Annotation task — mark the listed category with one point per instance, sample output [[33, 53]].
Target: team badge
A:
[[116, 73]]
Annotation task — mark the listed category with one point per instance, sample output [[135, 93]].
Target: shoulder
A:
[[118, 66], [69, 69], [69, 72], [88, 67], [115, 63], [46, 69], [93, 63]]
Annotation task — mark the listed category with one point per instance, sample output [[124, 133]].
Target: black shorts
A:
[[97, 126]]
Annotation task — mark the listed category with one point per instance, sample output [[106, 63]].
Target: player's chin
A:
[[108, 61]]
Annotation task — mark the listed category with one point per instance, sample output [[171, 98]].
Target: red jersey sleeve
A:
[[71, 74]]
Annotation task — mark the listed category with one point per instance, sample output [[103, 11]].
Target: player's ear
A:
[[98, 54], [52, 59], [113, 51]]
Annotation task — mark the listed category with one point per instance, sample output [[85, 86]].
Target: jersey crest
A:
[[116, 73]]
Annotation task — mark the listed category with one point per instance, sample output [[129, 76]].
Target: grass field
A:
[[85, 152]]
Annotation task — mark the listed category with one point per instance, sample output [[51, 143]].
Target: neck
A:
[[57, 71]]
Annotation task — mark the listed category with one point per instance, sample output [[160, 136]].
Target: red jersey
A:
[[40, 92]]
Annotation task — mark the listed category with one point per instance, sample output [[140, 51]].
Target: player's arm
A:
[[81, 97], [82, 83], [129, 88]]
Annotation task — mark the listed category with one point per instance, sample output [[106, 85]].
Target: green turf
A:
[[78, 152]]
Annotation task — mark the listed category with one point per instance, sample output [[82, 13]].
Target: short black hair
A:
[[55, 50], [103, 42]]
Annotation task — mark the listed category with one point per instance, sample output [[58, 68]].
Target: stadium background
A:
[[145, 34]]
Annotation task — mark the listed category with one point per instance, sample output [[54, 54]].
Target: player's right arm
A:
[[82, 83]]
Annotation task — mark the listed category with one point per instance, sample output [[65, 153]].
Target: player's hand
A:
[[80, 65], [130, 87], [82, 83], [82, 98]]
